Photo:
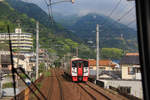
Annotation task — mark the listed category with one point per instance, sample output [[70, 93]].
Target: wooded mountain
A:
[[33, 11], [55, 43], [112, 33]]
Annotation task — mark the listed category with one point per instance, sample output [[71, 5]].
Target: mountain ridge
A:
[[56, 44], [112, 33]]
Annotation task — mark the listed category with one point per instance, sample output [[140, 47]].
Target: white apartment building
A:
[[20, 40]]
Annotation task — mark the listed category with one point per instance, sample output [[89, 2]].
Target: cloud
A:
[[83, 7]]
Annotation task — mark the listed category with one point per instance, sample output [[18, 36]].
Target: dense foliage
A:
[[111, 53], [112, 33], [58, 44], [59, 41]]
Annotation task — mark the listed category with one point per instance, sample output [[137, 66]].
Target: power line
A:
[[121, 17], [111, 13], [127, 25], [50, 5], [49, 10], [133, 21], [125, 14]]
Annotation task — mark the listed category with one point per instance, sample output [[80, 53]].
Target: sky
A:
[[83, 7]]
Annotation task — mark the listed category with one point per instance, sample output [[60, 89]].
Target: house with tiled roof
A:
[[132, 54], [130, 67], [107, 65]]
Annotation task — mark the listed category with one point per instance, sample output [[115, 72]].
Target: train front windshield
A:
[[77, 62]]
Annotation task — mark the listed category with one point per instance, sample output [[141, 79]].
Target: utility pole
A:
[[37, 49], [97, 51], [77, 51]]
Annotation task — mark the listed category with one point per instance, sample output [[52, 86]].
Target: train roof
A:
[[76, 58]]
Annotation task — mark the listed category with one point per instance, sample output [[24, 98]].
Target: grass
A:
[[38, 85], [23, 76], [47, 74]]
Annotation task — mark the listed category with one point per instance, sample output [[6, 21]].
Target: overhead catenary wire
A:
[[121, 17], [133, 21], [113, 10], [125, 14], [51, 15], [49, 10], [132, 15]]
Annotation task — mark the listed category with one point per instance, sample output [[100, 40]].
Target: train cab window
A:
[[74, 64], [85, 64], [79, 65]]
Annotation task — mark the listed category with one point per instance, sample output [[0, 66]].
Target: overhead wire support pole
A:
[[77, 50], [97, 51], [37, 49]]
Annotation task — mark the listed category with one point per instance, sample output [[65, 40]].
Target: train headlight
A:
[[74, 70], [85, 70]]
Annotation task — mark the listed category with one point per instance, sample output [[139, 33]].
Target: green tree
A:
[[41, 67], [111, 53]]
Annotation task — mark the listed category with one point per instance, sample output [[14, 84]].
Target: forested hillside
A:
[[33, 11], [112, 33], [55, 43]]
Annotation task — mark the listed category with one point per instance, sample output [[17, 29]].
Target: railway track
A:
[[93, 93], [101, 93], [56, 87], [93, 97], [107, 94], [50, 90], [60, 86]]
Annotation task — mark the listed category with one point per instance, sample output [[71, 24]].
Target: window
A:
[[126, 90], [4, 65], [131, 70]]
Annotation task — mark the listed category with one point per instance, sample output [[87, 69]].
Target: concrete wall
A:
[[125, 74], [136, 86]]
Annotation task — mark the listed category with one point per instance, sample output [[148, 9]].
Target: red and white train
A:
[[77, 69]]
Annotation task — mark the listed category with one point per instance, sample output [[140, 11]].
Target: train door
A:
[[80, 69]]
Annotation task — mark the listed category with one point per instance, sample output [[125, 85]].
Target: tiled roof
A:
[[92, 62], [134, 60], [132, 54]]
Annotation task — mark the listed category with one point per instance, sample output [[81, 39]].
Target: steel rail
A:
[[60, 87], [49, 95], [98, 92], [93, 97]]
